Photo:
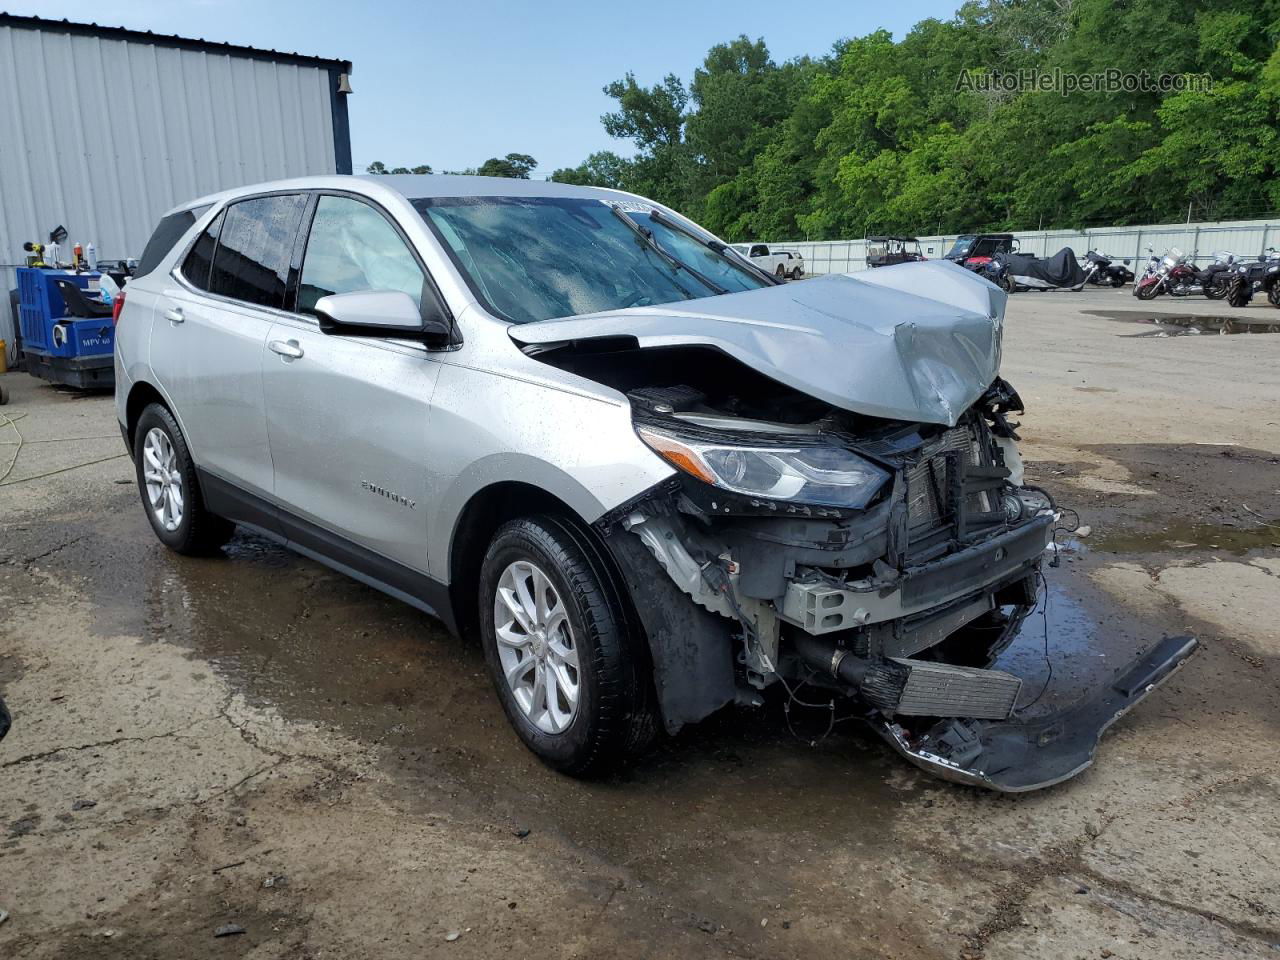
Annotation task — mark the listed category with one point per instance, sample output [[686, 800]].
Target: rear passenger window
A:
[[168, 232], [196, 267], [254, 249], [353, 248]]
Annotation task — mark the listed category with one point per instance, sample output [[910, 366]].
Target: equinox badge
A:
[[384, 492]]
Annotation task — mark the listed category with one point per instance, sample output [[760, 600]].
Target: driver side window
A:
[[353, 248]]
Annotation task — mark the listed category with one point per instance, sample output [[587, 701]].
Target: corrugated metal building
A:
[[102, 129]]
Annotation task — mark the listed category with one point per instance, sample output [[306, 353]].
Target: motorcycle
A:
[[1103, 271], [1262, 274], [996, 270], [1214, 279], [1165, 273], [1062, 271]]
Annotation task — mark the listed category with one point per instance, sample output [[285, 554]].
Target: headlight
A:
[[819, 475]]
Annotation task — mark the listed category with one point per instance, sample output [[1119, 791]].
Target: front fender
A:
[[492, 429]]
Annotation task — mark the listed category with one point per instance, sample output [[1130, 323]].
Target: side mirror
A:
[[381, 313]]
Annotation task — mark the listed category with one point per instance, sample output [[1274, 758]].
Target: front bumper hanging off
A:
[[1014, 756]]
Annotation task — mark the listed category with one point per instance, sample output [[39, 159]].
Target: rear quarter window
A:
[[200, 257], [167, 233]]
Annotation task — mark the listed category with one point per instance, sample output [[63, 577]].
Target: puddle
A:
[[318, 647], [1199, 536], [1087, 640], [292, 636], [1184, 325]]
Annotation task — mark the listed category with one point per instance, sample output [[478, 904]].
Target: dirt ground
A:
[[253, 740]]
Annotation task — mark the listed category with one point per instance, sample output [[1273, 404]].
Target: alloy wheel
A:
[[163, 479], [536, 647]]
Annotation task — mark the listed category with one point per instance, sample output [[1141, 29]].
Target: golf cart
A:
[[886, 251]]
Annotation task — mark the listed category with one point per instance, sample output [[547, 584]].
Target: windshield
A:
[[960, 248], [731, 274], [538, 258]]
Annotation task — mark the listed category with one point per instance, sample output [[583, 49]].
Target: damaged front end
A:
[[900, 567], [848, 510]]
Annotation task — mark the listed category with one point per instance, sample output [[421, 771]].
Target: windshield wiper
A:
[[647, 238], [716, 247]]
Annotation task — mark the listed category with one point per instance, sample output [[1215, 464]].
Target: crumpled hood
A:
[[917, 341]]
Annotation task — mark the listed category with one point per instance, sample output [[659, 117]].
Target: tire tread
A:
[[623, 722]]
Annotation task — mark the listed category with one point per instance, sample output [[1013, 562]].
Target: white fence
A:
[[1244, 238]]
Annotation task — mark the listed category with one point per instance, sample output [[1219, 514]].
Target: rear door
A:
[[348, 417], [210, 330]]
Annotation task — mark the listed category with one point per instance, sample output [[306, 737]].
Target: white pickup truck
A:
[[781, 263]]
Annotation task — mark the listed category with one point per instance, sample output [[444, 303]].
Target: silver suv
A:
[[651, 478]]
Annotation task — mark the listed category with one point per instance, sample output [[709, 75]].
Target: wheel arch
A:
[[487, 510], [141, 395]]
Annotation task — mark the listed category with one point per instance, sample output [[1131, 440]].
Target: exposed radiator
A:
[[943, 690], [929, 480]]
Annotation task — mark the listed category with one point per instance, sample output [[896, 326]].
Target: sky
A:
[[451, 84]]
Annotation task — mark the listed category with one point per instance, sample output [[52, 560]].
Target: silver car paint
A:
[[480, 414], [917, 342], [212, 358], [350, 417]]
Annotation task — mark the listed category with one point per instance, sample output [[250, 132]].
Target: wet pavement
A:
[[1225, 321], [254, 714]]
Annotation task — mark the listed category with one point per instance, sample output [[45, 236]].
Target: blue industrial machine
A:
[[67, 331]]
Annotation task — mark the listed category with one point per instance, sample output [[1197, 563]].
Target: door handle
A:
[[288, 349], [174, 315]]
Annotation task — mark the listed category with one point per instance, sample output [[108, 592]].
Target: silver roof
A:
[[430, 185]]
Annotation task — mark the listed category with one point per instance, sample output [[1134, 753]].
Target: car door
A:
[[348, 417], [209, 330]]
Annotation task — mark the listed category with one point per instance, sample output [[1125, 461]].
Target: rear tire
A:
[[1217, 288], [580, 688], [781, 272], [170, 488]]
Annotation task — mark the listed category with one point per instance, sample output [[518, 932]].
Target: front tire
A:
[[569, 671], [170, 489], [1240, 292], [1148, 292]]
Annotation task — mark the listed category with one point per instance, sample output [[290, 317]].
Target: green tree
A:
[[653, 119], [878, 135], [516, 166], [601, 169], [379, 167]]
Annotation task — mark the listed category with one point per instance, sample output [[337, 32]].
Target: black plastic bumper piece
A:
[[1015, 756], [96, 372]]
